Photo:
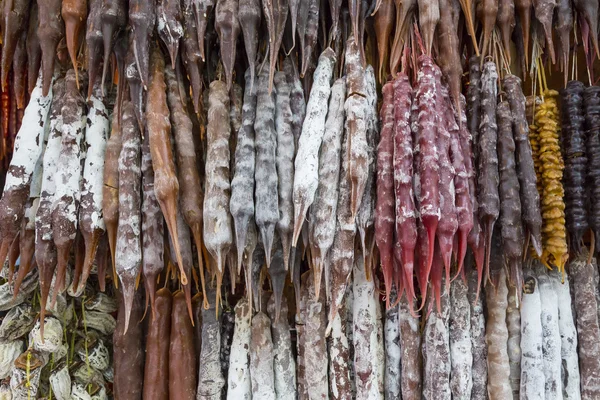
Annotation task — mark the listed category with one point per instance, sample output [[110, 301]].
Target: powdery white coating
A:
[[306, 177], [496, 338], [38, 172], [239, 385], [380, 354], [9, 352], [342, 253], [241, 203], [532, 359], [588, 331], [478, 345], [25, 384], [284, 162], [210, 380], [551, 343], [568, 335], [53, 335], [50, 162], [339, 358], [218, 235], [60, 381], [28, 146], [283, 359], [315, 346], [266, 198], [436, 351], [96, 132], [393, 352], [366, 213], [68, 170], [461, 357], [297, 102], [365, 333], [513, 323], [261, 358], [410, 346], [168, 25], [324, 208], [128, 248]]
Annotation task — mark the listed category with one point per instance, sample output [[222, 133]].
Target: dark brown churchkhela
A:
[[142, 16], [182, 354], [192, 59], [15, 15], [275, 12], [93, 41], [488, 198], [19, 70], [576, 160], [34, 51], [510, 204], [530, 198], [50, 32], [114, 19], [227, 26], [128, 353], [249, 16], [156, 371]]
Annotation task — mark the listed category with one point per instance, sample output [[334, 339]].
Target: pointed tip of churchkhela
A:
[[299, 216], [128, 291], [479, 255], [267, 234], [150, 287], [70, 29], [107, 34], [91, 246], [436, 278], [187, 290], [170, 214], [536, 242], [62, 260]]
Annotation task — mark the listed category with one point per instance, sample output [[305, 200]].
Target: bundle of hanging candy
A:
[[299, 199]]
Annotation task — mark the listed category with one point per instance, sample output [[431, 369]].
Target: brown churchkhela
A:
[[166, 185], [588, 9], [182, 353], [191, 194], [14, 15], [93, 41], [34, 51], [128, 353], [227, 26], [142, 16], [275, 12], [487, 10], [156, 371], [74, 13], [50, 32], [114, 19], [384, 21], [192, 59]]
